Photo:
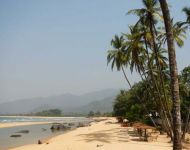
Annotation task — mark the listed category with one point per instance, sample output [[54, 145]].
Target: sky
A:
[[51, 47]]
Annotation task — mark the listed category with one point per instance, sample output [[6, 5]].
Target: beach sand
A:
[[6, 125], [103, 135]]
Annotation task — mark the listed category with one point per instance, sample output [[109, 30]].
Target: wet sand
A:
[[14, 124]]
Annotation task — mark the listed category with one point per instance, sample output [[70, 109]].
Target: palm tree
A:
[[174, 76], [148, 17], [135, 50], [179, 32], [117, 56], [122, 55], [187, 12]]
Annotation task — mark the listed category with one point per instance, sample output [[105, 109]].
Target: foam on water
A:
[[4, 119]]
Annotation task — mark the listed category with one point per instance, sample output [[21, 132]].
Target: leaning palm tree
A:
[[174, 76], [120, 58], [148, 17], [117, 56], [135, 50]]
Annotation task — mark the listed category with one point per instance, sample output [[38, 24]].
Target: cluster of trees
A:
[[128, 105], [143, 50], [99, 114], [50, 112]]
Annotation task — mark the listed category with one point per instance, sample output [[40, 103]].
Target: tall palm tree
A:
[[135, 50], [117, 56], [148, 17], [120, 58], [174, 76]]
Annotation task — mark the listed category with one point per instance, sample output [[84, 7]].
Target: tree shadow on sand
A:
[[100, 137], [105, 136]]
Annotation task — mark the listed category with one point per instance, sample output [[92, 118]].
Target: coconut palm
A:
[[124, 54], [117, 56], [179, 32], [148, 17], [174, 76], [135, 50]]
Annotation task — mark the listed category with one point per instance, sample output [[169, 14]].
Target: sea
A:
[[35, 132]]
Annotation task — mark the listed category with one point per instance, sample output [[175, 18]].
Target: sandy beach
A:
[[14, 124], [103, 135]]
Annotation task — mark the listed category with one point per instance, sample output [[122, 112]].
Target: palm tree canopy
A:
[[179, 32], [186, 10], [117, 55]]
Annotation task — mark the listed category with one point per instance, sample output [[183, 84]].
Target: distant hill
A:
[[104, 105], [68, 103]]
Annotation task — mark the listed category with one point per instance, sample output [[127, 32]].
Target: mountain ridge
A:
[[66, 102]]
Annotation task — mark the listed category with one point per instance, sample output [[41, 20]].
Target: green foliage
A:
[[50, 112], [107, 114], [142, 49], [186, 10], [134, 113], [127, 104], [91, 114], [184, 83]]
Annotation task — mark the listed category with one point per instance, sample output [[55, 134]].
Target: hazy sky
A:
[[50, 47]]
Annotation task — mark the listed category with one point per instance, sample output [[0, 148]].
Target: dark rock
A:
[[39, 142], [71, 124], [43, 129], [52, 127], [68, 127], [16, 135], [81, 125], [99, 145], [58, 127], [23, 131]]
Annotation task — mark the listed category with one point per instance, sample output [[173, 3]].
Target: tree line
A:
[[143, 50]]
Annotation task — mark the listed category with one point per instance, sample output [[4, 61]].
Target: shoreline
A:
[[102, 134], [35, 116], [35, 131], [20, 123], [16, 124]]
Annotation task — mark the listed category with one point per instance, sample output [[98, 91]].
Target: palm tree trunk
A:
[[139, 99], [149, 94], [167, 122], [165, 103], [160, 73], [174, 77], [126, 77]]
